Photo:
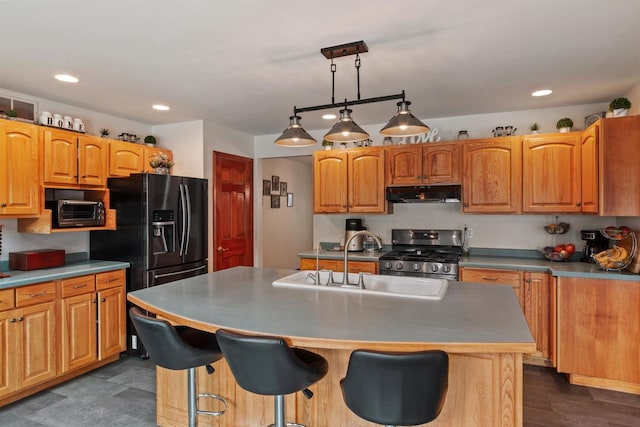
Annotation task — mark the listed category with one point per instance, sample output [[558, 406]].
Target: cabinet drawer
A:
[[6, 299], [335, 265], [491, 277], [35, 294], [110, 279], [78, 285]]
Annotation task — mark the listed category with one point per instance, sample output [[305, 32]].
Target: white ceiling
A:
[[245, 64]]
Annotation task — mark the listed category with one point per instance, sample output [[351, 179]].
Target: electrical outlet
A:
[[469, 233], [134, 342]]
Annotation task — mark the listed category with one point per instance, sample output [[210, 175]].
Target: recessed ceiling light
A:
[[542, 92], [66, 78], [161, 107], [329, 116]]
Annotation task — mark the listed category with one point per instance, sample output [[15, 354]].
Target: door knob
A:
[[221, 249]]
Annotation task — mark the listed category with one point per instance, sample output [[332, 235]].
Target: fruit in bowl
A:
[[561, 252], [559, 228], [614, 258], [617, 233]]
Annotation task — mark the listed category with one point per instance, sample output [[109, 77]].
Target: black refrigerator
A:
[[161, 231]]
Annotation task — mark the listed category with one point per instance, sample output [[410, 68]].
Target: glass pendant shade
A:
[[295, 135], [346, 130], [404, 123]]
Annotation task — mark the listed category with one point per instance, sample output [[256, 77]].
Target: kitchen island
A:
[[480, 326]]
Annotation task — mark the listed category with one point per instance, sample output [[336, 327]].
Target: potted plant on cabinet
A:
[[328, 145], [12, 114], [534, 128], [104, 132], [150, 140], [160, 163], [565, 124], [619, 107]]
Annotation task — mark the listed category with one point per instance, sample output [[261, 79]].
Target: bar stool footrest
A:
[[216, 397]]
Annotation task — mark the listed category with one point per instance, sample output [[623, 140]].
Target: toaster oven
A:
[[76, 213]]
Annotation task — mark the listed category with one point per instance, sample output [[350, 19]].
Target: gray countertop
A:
[[244, 298], [560, 269], [79, 268]]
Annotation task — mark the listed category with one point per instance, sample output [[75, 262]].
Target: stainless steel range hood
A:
[[424, 194]]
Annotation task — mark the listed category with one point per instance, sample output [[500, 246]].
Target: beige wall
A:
[[634, 96], [286, 230]]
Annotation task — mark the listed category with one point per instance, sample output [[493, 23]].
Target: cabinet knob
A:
[[466, 205], [578, 204], [93, 301], [12, 320], [3, 205], [20, 319], [103, 300]]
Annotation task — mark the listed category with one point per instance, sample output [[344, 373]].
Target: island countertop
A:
[[470, 318]]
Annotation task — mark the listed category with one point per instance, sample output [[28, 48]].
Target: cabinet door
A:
[[60, 157], [92, 161], [536, 294], [441, 163], [36, 352], [492, 178], [403, 165], [8, 326], [494, 277], [111, 322], [19, 176], [150, 151], [590, 146], [551, 173], [329, 181], [125, 158], [78, 332], [366, 180]]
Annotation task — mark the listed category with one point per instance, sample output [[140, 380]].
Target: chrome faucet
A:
[[345, 279]]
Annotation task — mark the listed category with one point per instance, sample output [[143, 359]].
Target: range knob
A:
[[446, 268], [399, 266], [416, 266], [387, 265], [434, 268]]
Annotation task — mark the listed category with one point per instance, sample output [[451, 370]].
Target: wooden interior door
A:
[[232, 211]]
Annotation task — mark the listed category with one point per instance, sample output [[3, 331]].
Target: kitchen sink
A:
[[397, 286]]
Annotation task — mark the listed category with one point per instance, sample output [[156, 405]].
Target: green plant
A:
[[618, 103], [534, 126], [150, 139], [565, 122], [104, 132], [160, 160], [326, 143], [12, 113]]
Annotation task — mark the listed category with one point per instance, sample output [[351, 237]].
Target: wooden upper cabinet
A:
[[619, 187], [125, 158], [19, 173], [492, 178], [590, 169], [551, 173], [150, 152], [349, 180], [70, 159], [419, 164], [330, 181], [365, 172]]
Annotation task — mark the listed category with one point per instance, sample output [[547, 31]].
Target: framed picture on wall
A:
[[275, 201], [283, 188], [275, 184], [266, 187], [289, 200]]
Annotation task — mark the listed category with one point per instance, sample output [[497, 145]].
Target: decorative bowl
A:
[[559, 228]]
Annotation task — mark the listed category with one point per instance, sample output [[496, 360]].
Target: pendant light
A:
[[295, 135], [346, 130], [403, 123]]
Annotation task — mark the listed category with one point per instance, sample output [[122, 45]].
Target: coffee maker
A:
[[594, 242], [352, 226]]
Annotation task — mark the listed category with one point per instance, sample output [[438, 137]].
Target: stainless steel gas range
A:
[[423, 253]]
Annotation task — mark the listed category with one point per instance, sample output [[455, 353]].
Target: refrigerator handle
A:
[[183, 207], [188, 211]]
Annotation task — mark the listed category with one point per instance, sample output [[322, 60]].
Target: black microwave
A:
[[76, 213]]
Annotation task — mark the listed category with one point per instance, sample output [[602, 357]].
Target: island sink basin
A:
[[396, 286]]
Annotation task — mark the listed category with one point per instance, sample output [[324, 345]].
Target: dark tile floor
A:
[[123, 394]]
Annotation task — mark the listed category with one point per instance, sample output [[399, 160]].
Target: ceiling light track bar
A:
[[348, 103]]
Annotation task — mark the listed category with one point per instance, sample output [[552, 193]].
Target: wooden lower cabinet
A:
[[533, 292], [598, 332], [27, 339], [495, 378], [338, 265], [54, 331]]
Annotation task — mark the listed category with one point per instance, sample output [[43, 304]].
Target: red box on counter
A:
[[34, 260]]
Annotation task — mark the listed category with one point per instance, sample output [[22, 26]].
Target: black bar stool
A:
[[396, 388], [180, 348], [268, 366]]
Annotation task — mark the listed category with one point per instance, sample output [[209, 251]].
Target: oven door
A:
[[417, 274]]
